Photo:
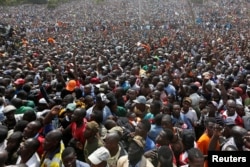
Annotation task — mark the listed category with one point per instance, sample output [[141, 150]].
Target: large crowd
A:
[[119, 83]]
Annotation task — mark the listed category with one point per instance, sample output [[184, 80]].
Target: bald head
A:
[[112, 142], [80, 112], [231, 107], [230, 101], [238, 131], [52, 140], [109, 124], [113, 137], [55, 135], [166, 122], [33, 143]]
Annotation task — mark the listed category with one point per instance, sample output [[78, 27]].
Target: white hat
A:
[[9, 108], [102, 97], [99, 155], [42, 101]]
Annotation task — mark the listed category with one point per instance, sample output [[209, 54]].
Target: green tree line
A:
[[50, 3]]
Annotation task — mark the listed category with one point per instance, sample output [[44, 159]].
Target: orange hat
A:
[[71, 85]]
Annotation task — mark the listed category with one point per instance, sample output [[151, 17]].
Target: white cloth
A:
[[231, 117], [230, 142], [34, 161], [3, 145]]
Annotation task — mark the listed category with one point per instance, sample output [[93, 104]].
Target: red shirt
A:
[[40, 150], [77, 132]]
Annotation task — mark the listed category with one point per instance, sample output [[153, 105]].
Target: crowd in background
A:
[[120, 83]]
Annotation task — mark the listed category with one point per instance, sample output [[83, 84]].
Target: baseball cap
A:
[[71, 106], [117, 129], [19, 81], [187, 99], [93, 126], [9, 108], [140, 100], [71, 85], [99, 155], [42, 101], [102, 97]]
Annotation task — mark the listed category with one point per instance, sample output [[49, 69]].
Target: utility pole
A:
[[139, 10]]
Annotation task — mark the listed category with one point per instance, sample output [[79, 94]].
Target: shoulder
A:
[[147, 162], [203, 138], [106, 108], [90, 109], [122, 160], [81, 164]]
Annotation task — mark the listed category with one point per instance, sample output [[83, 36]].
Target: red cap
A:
[[19, 81]]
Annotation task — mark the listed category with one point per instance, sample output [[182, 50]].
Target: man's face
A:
[[166, 124], [25, 148], [69, 160], [186, 105], [109, 143], [202, 104], [49, 143], [132, 94], [161, 139], [29, 130], [10, 115], [248, 82], [100, 104], [210, 128], [176, 111], [231, 107], [139, 130]]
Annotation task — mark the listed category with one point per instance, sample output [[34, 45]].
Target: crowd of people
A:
[[120, 83]]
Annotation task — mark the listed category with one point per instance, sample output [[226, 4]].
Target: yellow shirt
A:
[[56, 161]]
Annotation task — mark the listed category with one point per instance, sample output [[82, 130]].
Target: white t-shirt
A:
[[34, 161]]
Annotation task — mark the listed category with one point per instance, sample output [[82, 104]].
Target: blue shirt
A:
[[182, 119], [170, 89], [155, 130], [106, 113], [150, 144], [81, 164], [125, 85]]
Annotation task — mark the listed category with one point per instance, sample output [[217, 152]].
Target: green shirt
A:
[[23, 109]]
